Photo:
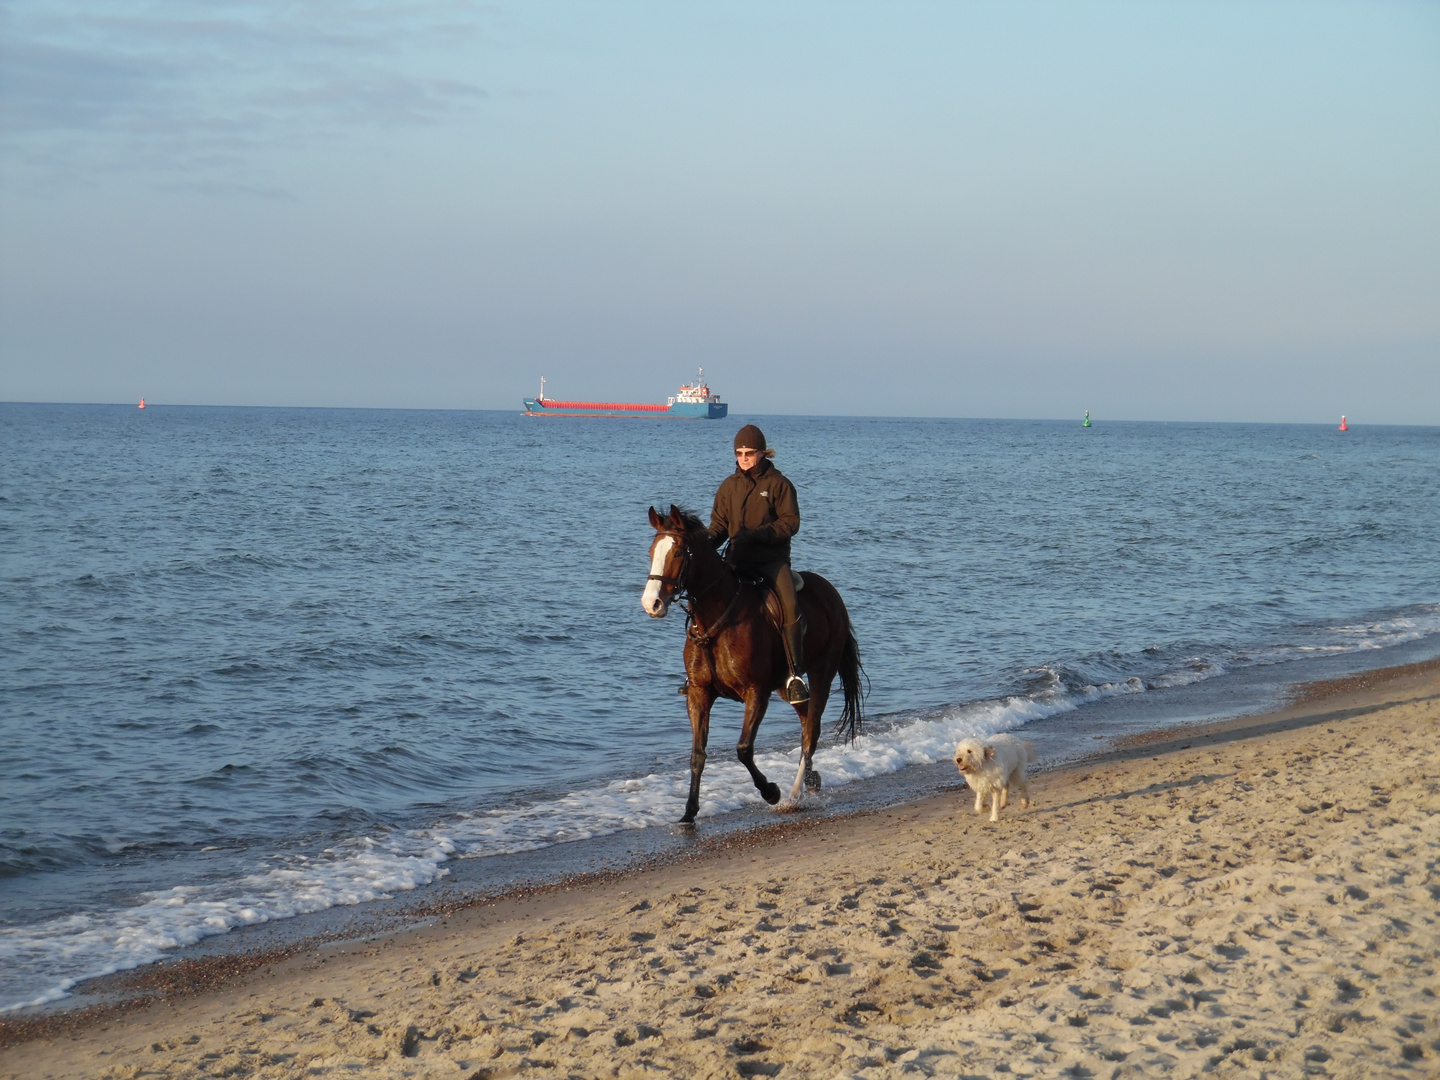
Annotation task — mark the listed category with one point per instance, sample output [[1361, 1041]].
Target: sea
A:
[[262, 665]]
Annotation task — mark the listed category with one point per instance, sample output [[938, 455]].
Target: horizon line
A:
[[778, 416]]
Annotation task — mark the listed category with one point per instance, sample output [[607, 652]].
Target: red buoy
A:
[[142, 403], [1343, 425]]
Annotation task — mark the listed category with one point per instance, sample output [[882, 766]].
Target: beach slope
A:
[[1259, 897]]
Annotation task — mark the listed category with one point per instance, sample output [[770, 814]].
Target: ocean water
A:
[[256, 663]]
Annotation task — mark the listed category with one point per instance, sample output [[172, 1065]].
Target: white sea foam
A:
[[77, 947], [64, 951], [57, 954], [1386, 632]]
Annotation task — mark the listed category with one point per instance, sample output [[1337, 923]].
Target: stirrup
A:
[[797, 691], [684, 689]]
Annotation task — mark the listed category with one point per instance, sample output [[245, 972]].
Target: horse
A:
[[733, 650]]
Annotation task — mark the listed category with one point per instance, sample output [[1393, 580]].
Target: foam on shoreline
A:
[[1368, 684], [1166, 906]]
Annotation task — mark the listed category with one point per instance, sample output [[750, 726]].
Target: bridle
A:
[[682, 595], [676, 581]]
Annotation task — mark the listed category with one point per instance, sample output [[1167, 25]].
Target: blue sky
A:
[[1152, 211]]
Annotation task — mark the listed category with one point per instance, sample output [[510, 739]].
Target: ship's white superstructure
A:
[[698, 394]]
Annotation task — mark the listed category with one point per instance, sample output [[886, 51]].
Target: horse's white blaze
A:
[[651, 600]]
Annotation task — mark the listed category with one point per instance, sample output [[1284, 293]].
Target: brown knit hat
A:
[[750, 437]]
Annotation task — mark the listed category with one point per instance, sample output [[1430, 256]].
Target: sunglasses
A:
[[746, 453]]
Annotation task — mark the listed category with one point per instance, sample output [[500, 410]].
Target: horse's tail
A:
[[852, 718]]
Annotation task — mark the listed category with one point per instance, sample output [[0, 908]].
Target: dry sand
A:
[[1257, 898]]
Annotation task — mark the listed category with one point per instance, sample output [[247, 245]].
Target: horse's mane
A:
[[692, 520]]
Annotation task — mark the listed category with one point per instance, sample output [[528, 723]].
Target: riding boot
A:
[[797, 691]]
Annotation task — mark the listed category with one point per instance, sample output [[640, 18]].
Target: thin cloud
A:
[[147, 85], [46, 87], [221, 188], [381, 97]]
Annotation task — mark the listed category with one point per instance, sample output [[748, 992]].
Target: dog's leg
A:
[[979, 799], [1016, 780], [1005, 795], [995, 803], [1024, 786]]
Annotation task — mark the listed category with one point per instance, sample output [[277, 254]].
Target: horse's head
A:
[[669, 560]]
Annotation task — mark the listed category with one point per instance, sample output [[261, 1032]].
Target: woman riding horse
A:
[[756, 510], [732, 650]]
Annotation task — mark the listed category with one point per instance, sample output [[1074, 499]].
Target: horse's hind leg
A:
[[756, 701], [810, 714]]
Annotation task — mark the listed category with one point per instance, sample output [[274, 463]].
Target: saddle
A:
[[772, 601]]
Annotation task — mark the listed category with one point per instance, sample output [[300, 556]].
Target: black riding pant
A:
[[778, 575]]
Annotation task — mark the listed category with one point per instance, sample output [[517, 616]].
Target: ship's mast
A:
[[542, 387]]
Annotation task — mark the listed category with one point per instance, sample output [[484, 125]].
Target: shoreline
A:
[[132, 927], [194, 987], [197, 969]]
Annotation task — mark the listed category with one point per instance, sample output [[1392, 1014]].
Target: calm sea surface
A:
[[256, 663]]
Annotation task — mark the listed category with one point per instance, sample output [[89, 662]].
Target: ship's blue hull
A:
[[698, 410]]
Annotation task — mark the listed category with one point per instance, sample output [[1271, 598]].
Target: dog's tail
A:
[[1029, 752]]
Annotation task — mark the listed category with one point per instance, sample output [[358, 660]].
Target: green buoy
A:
[[1087, 419]]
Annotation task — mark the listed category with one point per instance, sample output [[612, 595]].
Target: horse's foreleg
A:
[[810, 714], [699, 703], [756, 701]]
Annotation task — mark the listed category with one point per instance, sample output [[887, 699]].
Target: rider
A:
[[756, 510]]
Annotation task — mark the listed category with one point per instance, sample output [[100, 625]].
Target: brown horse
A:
[[733, 650]]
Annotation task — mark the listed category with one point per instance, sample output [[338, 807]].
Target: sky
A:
[[1179, 211]]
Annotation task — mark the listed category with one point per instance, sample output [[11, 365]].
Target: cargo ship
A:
[[692, 402]]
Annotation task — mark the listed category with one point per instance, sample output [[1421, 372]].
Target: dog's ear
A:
[[989, 752]]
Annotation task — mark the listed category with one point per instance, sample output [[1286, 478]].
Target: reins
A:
[[692, 622]]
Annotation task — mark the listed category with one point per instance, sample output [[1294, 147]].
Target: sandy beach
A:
[[1256, 897]]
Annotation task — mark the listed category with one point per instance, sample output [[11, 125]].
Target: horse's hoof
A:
[[812, 780], [770, 793], [789, 806]]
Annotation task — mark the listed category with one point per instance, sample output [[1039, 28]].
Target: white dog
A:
[[992, 768]]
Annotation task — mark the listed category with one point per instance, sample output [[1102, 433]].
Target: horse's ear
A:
[[677, 519], [654, 519]]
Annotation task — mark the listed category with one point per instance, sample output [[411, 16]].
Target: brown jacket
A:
[[764, 509]]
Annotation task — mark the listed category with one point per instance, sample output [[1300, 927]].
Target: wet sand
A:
[[1256, 897]]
